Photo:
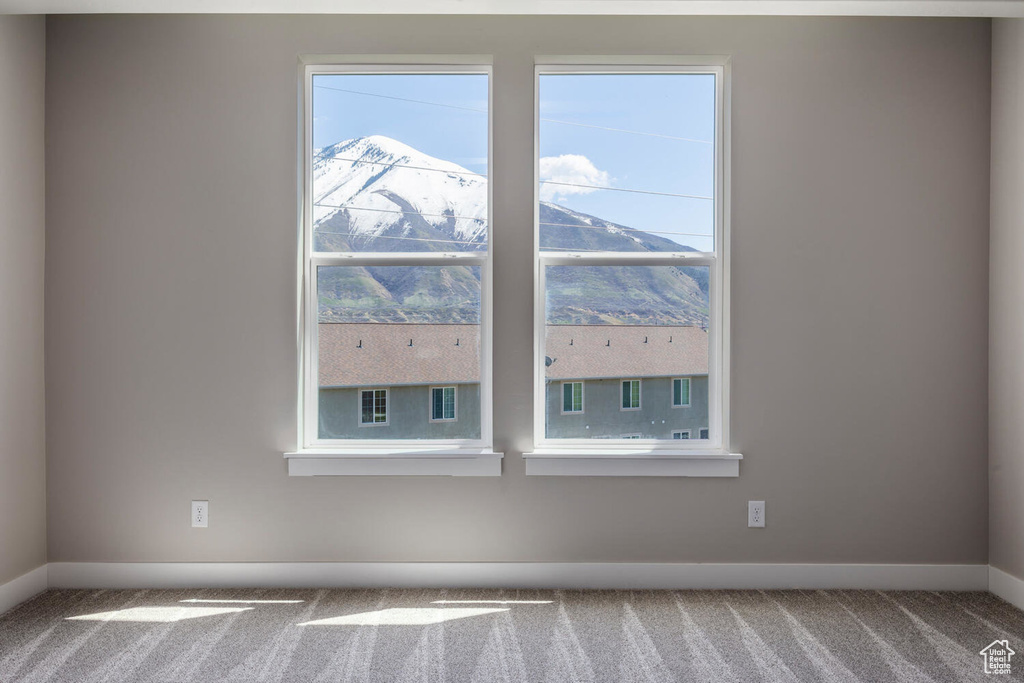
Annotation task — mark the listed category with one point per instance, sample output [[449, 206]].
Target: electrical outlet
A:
[[201, 513], [755, 513]]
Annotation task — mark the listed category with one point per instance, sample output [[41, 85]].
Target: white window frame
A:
[[689, 388], [583, 398], [387, 406], [455, 403], [315, 456], [639, 395], [649, 457]]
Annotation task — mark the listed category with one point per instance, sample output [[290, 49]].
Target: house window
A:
[[631, 394], [681, 392], [396, 276], [681, 434], [572, 397], [704, 434], [374, 407], [632, 436], [631, 248], [442, 404]]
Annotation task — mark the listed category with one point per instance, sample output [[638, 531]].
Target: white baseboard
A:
[[517, 575], [1006, 586], [26, 586]]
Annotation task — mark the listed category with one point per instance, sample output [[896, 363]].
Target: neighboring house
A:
[[627, 381], [401, 381]]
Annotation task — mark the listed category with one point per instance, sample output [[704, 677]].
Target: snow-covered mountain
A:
[[378, 194], [377, 187]]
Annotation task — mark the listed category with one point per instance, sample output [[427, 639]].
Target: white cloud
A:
[[575, 169]]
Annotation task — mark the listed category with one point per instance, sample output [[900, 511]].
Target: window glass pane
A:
[[681, 392], [367, 407], [572, 397], [627, 162], [399, 162], [406, 329], [449, 403], [645, 323], [438, 404]]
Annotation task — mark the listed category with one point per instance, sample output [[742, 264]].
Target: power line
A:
[[646, 232], [631, 132], [415, 168], [389, 237], [623, 189], [484, 111], [546, 182], [402, 99], [410, 213], [471, 218]]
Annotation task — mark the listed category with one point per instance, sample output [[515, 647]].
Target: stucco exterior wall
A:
[[602, 416]]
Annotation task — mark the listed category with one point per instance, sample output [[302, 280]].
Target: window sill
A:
[[451, 462], [628, 462]]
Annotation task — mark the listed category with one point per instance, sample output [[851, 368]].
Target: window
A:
[[442, 404], [704, 433], [681, 392], [374, 407], [631, 253], [396, 233], [572, 397], [631, 394]]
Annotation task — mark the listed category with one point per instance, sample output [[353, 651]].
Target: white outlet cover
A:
[[200, 514], [755, 513]]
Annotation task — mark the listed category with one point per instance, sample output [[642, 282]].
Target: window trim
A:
[[689, 388], [455, 401], [583, 398], [582, 457], [639, 394], [314, 456], [387, 406]]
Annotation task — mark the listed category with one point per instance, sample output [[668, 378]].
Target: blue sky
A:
[[670, 119], [444, 132]]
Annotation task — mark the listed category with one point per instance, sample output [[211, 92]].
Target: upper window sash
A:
[[382, 65]]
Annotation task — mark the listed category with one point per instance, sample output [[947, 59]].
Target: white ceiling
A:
[[982, 8]]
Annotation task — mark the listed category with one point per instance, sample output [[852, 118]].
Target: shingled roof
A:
[[369, 354], [379, 354], [613, 351]]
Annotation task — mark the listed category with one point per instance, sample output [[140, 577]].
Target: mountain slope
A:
[[379, 191], [378, 194]]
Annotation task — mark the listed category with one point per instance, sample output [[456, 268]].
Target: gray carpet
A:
[[313, 636]]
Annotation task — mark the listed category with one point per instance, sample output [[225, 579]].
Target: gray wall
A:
[[22, 230], [860, 290], [603, 417], [408, 414], [1006, 295]]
